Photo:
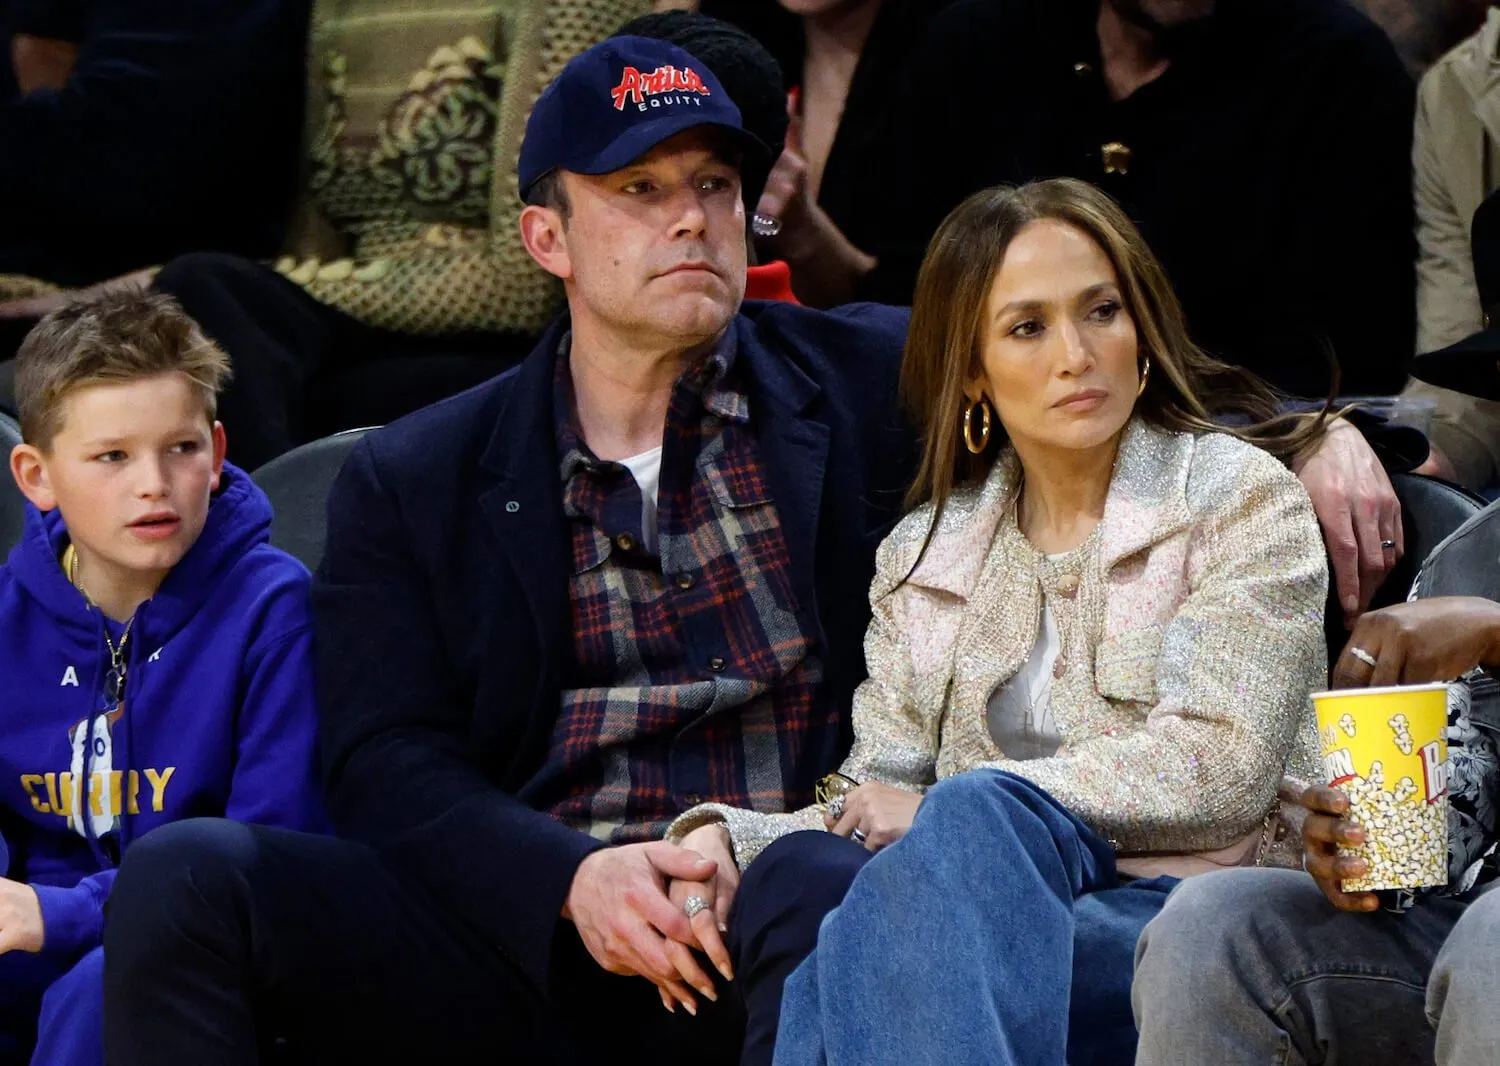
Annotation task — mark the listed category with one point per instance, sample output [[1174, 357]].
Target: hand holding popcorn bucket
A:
[[1385, 748]]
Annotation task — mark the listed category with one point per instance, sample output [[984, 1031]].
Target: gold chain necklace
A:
[[117, 659]]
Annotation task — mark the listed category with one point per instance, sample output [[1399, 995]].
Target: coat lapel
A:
[[794, 444], [523, 503]]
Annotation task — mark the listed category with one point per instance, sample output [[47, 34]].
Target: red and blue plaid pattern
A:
[[695, 674]]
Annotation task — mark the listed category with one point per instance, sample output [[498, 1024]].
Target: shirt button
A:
[[625, 542], [716, 664], [1067, 586], [684, 581]]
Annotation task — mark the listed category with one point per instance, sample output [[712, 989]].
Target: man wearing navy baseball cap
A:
[[556, 614]]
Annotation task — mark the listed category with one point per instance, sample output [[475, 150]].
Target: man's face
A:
[[657, 250], [1163, 14], [132, 469]]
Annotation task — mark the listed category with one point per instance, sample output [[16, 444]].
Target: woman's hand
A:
[[875, 815], [709, 924]]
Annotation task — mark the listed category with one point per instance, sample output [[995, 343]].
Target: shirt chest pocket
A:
[[1126, 664]]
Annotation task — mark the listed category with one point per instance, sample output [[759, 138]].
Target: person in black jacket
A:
[[1263, 147], [556, 612], [175, 130]]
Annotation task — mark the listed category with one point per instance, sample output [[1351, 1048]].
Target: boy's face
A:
[[131, 468]]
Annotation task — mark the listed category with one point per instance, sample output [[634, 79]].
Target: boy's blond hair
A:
[[119, 337]]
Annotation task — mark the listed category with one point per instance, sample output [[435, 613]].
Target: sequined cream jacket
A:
[[1191, 637]]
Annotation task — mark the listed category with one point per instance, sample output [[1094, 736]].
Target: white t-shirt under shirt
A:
[[1019, 713], [646, 469]]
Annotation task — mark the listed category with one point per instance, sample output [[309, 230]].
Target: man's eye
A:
[[114, 456], [187, 447], [717, 184], [639, 188]]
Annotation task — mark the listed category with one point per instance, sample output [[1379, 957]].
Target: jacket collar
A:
[[1479, 69], [1147, 502]]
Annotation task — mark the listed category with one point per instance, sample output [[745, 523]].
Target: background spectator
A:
[[409, 282], [1262, 145], [144, 129], [845, 60], [1456, 164]]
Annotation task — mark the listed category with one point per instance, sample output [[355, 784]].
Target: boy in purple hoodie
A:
[[155, 650]]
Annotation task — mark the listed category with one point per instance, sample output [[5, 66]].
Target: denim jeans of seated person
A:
[[996, 932], [1256, 966]]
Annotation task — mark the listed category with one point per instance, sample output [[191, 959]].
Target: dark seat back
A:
[[1431, 510], [298, 484], [12, 503]]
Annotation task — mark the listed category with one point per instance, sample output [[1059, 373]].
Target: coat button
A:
[[684, 581], [511, 506], [625, 542], [716, 664], [1067, 585]]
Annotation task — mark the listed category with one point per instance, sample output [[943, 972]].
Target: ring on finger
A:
[[836, 808], [858, 836], [1388, 545], [1362, 655], [694, 906]]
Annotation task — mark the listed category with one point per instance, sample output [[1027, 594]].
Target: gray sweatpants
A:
[[1256, 967]]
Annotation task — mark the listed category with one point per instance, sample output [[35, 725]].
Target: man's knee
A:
[[809, 864], [1219, 927], [175, 876], [1466, 974], [794, 883]]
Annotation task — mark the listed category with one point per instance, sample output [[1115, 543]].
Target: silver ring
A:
[[694, 906], [836, 808], [1363, 656], [858, 836], [1388, 545], [764, 225]]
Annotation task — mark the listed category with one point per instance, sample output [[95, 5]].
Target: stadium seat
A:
[[298, 484], [12, 503]]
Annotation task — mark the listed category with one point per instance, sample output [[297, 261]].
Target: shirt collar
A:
[[711, 379]]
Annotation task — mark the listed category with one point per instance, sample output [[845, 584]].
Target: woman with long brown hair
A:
[[1092, 645]]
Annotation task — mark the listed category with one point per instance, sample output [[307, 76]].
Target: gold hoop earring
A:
[[1145, 376], [984, 426]]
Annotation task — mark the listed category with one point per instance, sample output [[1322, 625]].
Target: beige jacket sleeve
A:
[[1447, 299], [894, 741], [1237, 663]]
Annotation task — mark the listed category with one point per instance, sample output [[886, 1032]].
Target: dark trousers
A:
[[303, 369], [231, 944]]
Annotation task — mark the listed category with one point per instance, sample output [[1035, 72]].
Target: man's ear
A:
[[29, 467], [546, 240], [221, 448]]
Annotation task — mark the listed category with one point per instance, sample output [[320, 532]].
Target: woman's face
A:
[[1058, 347]]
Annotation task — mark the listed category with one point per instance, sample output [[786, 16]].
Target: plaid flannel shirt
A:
[[695, 675]]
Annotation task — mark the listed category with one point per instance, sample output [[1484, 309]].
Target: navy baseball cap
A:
[[616, 101]]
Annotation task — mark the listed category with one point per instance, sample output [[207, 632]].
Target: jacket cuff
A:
[[72, 919]]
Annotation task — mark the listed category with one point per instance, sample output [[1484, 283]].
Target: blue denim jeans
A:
[[996, 932], [1255, 967]]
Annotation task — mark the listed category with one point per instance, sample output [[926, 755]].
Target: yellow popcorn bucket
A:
[[1385, 748]]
